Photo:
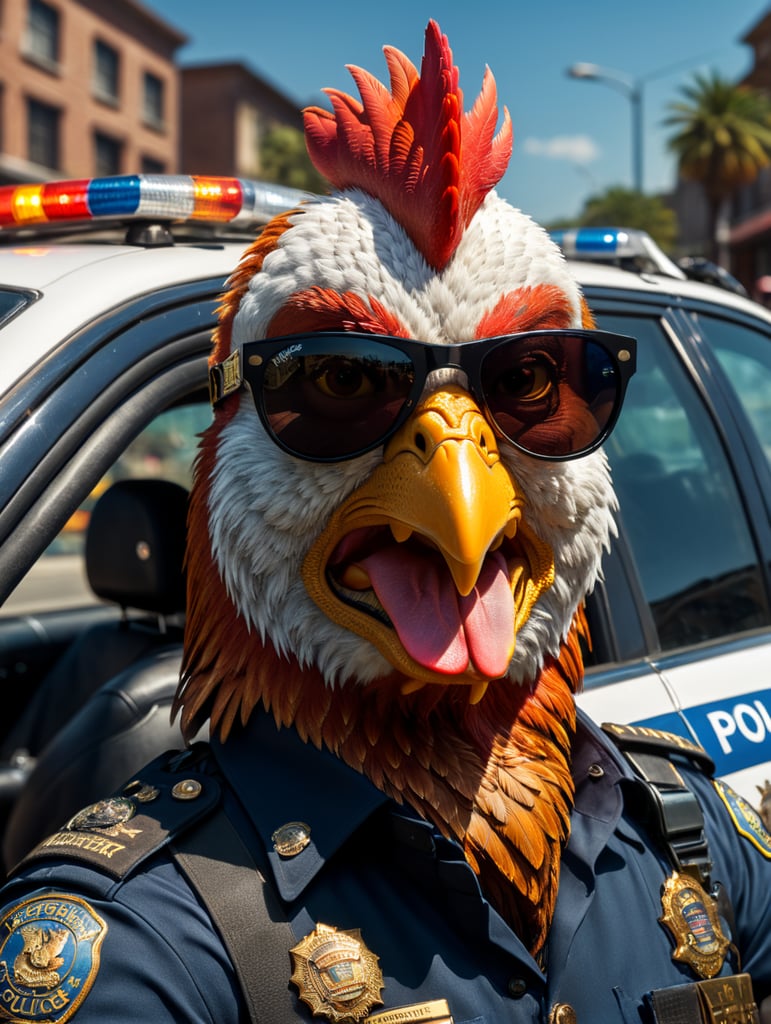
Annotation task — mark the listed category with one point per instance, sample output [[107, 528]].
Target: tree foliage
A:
[[722, 138], [285, 161], [628, 208]]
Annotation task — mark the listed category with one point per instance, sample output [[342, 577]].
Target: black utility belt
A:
[[715, 1001]]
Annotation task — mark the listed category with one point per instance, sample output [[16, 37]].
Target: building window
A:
[[43, 34], [149, 165], [107, 155], [105, 72], [153, 101], [248, 137], [43, 126]]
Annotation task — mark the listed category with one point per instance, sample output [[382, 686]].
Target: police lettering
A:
[[751, 720], [86, 841], [32, 1006]]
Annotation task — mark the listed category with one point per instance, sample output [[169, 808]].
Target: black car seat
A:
[[118, 730], [135, 558]]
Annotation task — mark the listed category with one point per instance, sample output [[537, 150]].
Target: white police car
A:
[[681, 623], [103, 347]]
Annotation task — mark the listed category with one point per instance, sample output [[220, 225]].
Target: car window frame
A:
[[621, 588], [758, 463], [162, 344]]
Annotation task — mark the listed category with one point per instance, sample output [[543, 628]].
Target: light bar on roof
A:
[[597, 244], [145, 197]]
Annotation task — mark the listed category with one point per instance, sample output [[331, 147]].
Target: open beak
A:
[[432, 558]]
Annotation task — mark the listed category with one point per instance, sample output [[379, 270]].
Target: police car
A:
[[108, 293], [681, 624]]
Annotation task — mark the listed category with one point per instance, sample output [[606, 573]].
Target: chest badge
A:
[[336, 975], [692, 918]]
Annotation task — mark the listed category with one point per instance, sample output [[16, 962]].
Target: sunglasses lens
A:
[[332, 398], [552, 395]]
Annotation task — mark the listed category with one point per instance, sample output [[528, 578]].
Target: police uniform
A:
[[367, 913]]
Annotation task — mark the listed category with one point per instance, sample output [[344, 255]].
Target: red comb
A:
[[413, 148]]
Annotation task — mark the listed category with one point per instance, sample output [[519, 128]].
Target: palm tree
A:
[[723, 139]]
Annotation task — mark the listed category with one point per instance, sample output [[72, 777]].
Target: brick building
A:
[[750, 218], [87, 87], [226, 111]]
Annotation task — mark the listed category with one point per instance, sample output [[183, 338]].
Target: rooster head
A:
[[388, 501]]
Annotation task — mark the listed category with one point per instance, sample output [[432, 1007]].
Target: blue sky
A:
[[571, 138]]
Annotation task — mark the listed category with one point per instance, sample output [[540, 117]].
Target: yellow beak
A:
[[441, 495]]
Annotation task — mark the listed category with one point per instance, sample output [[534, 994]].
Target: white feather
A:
[[267, 508]]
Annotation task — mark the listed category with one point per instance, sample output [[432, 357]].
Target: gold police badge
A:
[[692, 918], [336, 975]]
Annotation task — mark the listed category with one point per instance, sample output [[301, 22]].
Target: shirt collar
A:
[[280, 779], [598, 770]]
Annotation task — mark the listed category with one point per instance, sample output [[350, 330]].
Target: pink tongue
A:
[[439, 628]]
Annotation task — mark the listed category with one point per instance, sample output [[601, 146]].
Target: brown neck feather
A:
[[495, 775]]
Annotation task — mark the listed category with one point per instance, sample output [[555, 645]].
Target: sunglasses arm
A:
[[225, 377]]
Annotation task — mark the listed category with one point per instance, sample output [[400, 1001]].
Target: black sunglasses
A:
[[332, 396]]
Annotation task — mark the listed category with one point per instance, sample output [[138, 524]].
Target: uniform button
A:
[[517, 987], [596, 771], [188, 789], [292, 838]]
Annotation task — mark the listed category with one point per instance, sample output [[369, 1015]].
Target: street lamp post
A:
[[633, 91]]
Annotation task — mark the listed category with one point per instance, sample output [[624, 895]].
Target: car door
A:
[[66, 429], [693, 547]]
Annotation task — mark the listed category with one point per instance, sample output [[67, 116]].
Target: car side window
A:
[[679, 504], [165, 450], [745, 355]]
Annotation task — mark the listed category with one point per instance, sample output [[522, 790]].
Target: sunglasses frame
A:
[[247, 367]]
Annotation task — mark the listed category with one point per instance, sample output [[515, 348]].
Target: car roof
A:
[[82, 283], [39, 265], [599, 275], [629, 259], [84, 248]]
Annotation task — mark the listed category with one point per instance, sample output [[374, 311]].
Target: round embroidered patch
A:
[[49, 958], [746, 819]]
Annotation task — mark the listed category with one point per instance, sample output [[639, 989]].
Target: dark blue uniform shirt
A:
[[372, 865]]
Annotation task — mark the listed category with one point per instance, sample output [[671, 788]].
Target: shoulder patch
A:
[[118, 833], [746, 819], [641, 737], [49, 957]]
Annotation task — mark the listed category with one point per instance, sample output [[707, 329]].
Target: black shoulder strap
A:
[[246, 912], [673, 810], [174, 802]]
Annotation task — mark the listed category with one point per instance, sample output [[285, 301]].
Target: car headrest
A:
[[135, 546]]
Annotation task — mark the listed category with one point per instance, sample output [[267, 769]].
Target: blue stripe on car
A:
[[735, 731]]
